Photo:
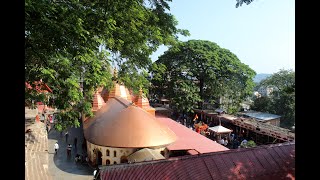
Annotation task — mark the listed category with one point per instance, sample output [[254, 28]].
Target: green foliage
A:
[[263, 104], [284, 79], [208, 71], [62, 39], [134, 78], [282, 99], [249, 144], [240, 2]]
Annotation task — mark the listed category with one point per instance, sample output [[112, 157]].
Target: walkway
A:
[[62, 167], [36, 146], [36, 154]]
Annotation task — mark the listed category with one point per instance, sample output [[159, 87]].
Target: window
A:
[[107, 152], [115, 162], [115, 153], [107, 161], [123, 159]]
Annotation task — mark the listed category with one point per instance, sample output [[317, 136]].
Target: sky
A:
[[261, 35]]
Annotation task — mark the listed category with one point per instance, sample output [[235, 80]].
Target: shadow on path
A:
[[62, 166]]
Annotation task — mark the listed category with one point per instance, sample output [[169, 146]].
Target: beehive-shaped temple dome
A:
[[132, 127], [118, 90], [98, 102], [141, 101], [108, 110]]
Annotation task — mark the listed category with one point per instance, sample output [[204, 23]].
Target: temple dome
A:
[[132, 127], [118, 90], [141, 101], [110, 108], [98, 101]]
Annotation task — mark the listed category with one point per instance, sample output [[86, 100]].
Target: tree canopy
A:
[[201, 71], [62, 40], [240, 2], [282, 99]]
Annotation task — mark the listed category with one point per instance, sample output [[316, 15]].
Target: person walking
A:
[[69, 148], [67, 135], [225, 142], [56, 147], [96, 174]]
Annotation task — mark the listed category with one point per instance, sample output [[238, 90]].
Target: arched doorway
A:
[[123, 159], [98, 157], [107, 162]]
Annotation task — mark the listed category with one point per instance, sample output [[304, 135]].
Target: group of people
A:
[[69, 146], [56, 148], [223, 141], [81, 158]]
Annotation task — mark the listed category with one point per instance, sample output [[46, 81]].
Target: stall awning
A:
[[220, 129]]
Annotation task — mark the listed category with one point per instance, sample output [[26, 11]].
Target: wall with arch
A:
[[110, 154]]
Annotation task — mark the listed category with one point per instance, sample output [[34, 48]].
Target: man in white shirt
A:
[[56, 147], [221, 141]]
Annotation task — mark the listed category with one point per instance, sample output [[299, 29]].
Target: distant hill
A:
[[260, 77]]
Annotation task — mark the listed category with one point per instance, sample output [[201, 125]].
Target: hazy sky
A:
[[261, 34]]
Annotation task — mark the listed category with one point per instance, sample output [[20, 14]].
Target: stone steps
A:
[[36, 153]]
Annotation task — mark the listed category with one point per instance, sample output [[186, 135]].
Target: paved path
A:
[[60, 166], [36, 154], [40, 161]]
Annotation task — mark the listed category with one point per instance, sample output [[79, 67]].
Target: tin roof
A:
[[264, 162], [261, 115], [189, 139], [127, 126]]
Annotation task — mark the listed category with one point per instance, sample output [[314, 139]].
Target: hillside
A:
[[260, 77]]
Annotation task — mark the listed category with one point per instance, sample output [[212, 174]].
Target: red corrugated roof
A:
[[189, 139], [263, 162], [39, 86]]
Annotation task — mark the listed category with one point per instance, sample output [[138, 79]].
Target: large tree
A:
[[282, 99], [62, 40], [203, 71]]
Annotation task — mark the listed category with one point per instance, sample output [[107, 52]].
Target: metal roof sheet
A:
[[261, 162]]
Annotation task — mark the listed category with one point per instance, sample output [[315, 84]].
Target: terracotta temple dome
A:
[[118, 90], [107, 110], [127, 126]]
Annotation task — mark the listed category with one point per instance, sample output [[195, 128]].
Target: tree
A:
[[134, 78], [282, 99], [240, 2], [263, 104], [62, 40], [202, 71]]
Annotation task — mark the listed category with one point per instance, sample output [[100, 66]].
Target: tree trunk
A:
[[201, 84]]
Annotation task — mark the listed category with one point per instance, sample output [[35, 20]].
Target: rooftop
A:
[[189, 139], [261, 115], [264, 162], [127, 126]]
